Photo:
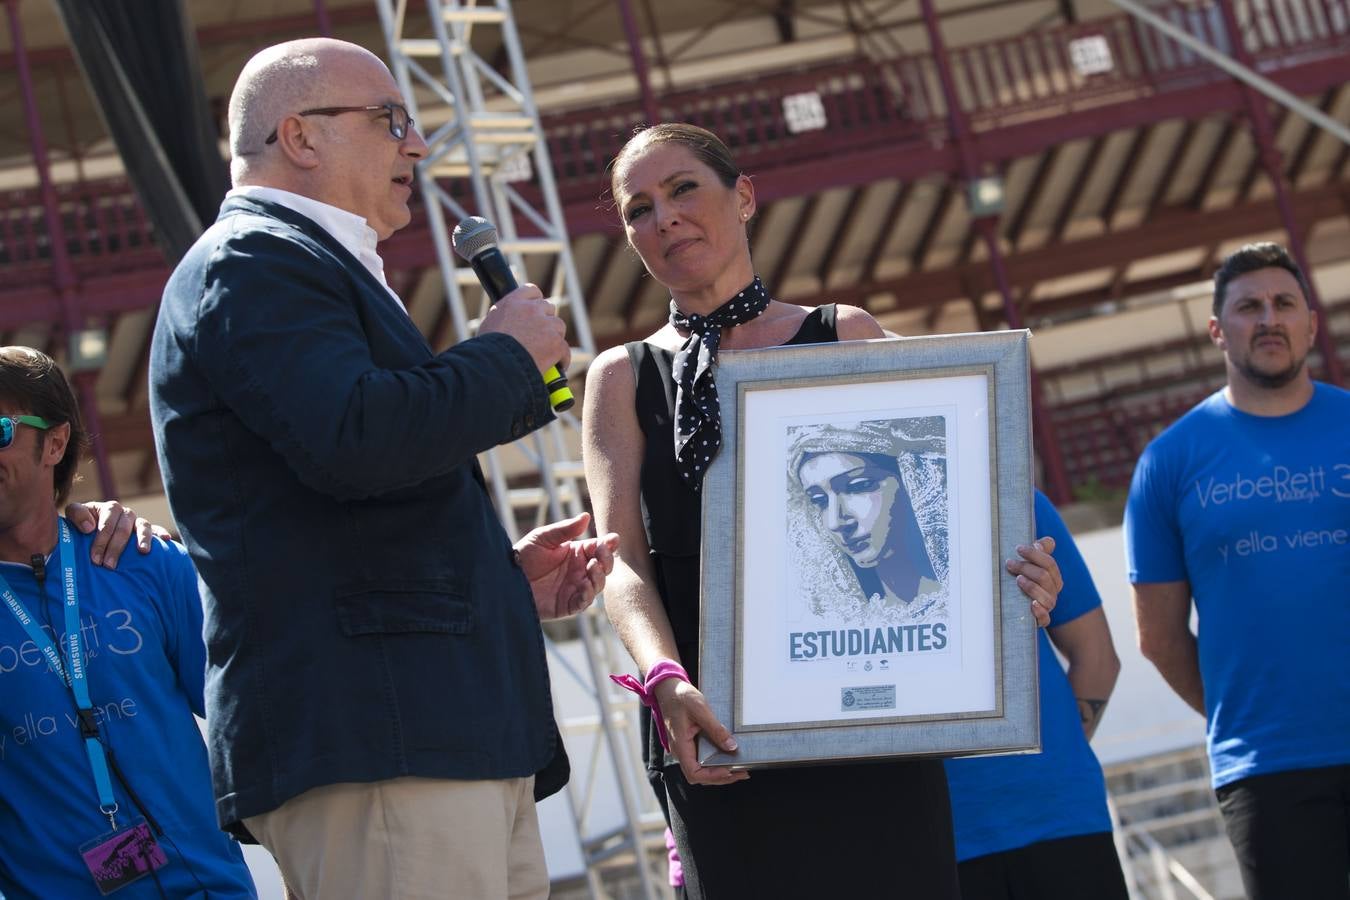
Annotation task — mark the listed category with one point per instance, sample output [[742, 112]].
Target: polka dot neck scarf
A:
[[698, 416]]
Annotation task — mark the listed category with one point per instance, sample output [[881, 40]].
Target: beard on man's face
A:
[[1264, 378]]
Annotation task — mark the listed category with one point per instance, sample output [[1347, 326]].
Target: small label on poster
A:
[[878, 696]]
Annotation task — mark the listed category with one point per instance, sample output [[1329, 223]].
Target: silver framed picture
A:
[[854, 600]]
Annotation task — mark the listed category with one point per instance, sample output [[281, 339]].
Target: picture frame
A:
[[854, 601]]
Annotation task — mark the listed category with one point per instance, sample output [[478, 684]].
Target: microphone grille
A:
[[472, 236]]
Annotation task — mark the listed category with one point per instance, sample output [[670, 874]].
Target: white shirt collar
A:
[[347, 228]]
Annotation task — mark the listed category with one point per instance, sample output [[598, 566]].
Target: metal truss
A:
[[489, 136]]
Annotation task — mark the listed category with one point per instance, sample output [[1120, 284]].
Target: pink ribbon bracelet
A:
[[666, 668]]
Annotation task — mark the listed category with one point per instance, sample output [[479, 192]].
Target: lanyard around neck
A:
[[71, 671]]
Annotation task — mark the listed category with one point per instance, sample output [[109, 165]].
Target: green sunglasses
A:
[[9, 423]]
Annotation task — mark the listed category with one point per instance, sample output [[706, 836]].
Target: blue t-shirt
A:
[[1004, 802], [1254, 512], [146, 662]]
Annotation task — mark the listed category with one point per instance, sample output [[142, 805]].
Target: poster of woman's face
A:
[[853, 601], [863, 564], [867, 518]]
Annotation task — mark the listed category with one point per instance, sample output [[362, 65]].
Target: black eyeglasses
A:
[[399, 120], [9, 424]]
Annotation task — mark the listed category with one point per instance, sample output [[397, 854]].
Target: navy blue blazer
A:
[[364, 617]]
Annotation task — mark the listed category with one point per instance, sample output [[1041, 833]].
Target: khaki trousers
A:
[[409, 839]]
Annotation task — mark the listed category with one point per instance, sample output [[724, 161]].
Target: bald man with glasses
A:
[[377, 694], [396, 113]]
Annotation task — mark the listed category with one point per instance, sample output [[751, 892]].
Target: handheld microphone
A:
[[475, 240]]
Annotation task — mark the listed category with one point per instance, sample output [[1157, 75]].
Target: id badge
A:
[[118, 858]]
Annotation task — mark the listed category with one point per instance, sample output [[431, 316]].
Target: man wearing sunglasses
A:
[[101, 671], [378, 698]]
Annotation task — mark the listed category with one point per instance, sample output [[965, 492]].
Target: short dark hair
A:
[[1252, 258], [707, 147], [32, 382]]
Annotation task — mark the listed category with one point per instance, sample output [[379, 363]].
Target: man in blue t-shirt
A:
[[1244, 505], [104, 782], [1037, 825]]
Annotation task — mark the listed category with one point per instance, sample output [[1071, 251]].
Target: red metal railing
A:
[[859, 104], [1283, 32], [865, 104], [894, 102], [1033, 75], [105, 228]]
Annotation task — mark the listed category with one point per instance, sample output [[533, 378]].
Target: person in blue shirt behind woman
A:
[[1037, 825]]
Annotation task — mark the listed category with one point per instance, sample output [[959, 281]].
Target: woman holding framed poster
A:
[[651, 427]]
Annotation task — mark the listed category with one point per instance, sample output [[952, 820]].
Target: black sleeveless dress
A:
[[843, 831]]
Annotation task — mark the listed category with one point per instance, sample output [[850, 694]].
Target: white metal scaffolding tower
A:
[[485, 130]]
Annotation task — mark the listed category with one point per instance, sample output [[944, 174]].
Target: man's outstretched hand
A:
[[565, 570]]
